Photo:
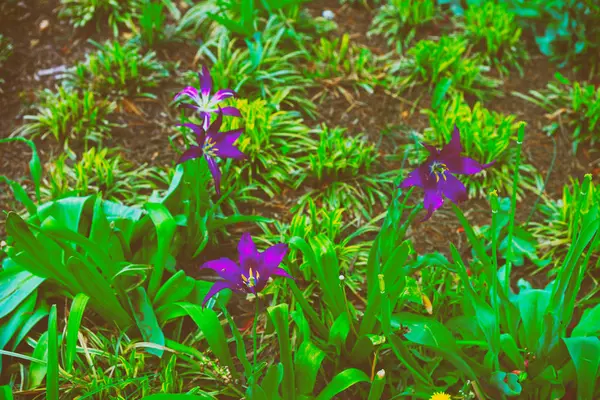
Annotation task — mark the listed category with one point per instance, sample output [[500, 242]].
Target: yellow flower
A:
[[440, 396]]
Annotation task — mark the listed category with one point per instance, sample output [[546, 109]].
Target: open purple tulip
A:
[[435, 174], [211, 144], [252, 272], [204, 102]]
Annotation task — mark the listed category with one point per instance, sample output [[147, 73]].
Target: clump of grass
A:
[[337, 64], [444, 62], [575, 104], [494, 33], [486, 136], [69, 114], [118, 71], [560, 225], [341, 171], [399, 19], [272, 140], [104, 171], [263, 70], [114, 12]]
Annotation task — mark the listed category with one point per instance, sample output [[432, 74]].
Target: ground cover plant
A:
[[299, 200]]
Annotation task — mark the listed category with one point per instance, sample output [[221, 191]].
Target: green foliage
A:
[[399, 19], [273, 140], [118, 71], [494, 32], [70, 115], [431, 63], [99, 171], [486, 136], [338, 63], [577, 105], [152, 23], [341, 171], [262, 69], [113, 12], [559, 228]]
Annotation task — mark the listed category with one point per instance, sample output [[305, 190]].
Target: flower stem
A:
[[513, 209], [254, 336]]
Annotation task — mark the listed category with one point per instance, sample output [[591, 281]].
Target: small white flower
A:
[[328, 14], [342, 277], [381, 374]]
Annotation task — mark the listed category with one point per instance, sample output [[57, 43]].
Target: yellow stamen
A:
[[244, 278]]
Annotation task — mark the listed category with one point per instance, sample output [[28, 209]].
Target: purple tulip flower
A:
[[204, 103], [435, 174], [211, 144], [252, 272]]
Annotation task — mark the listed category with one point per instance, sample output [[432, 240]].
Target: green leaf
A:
[[532, 306], [15, 285], [165, 226], [16, 320], [6, 393], [585, 353], [37, 371], [280, 317], [341, 382], [209, 324], [339, 332], [171, 396], [147, 323], [508, 384], [73, 325], [588, 325], [52, 376], [308, 362]]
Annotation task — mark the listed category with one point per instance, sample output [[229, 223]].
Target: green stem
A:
[[513, 209], [254, 337], [494, 277]]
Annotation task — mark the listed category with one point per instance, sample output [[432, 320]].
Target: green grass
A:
[[68, 115], [118, 71], [399, 20], [115, 14]]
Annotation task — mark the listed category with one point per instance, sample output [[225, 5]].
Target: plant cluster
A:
[[67, 114], [115, 13], [444, 65], [572, 104], [118, 71], [398, 20]]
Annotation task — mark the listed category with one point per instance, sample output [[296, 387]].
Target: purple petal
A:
[[216, 173], [463, 165], [222, 95], [190, 154], [453, 189], [281, 272], [198, 130], [247, 251], [453, 148], [225, 147], [213, 129], [415, 178], [273, 256], [432, 150], [189, 91], [225, 268], [432, 201], [205, 119], [205, 81], [215, 288], [231, 111]]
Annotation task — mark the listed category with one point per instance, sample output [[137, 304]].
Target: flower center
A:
[[251, 280], [438, 169], [209, 147]]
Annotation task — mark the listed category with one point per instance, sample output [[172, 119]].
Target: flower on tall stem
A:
[[210, 144], [435, 174], [204, 102], [253, 271]]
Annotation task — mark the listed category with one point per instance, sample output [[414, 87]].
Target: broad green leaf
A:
[[585, 353], [341, 382], [6, 393], [165, 226], [272, 381], [588, 325], [73, 325], [532, 306], [339, 332], [147, 323], [209, 324], [37, 371], [508, 384], [15, 285], [52, 376], [308, 362], [9, 327], [280, 317]]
